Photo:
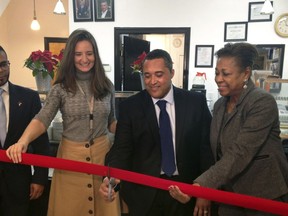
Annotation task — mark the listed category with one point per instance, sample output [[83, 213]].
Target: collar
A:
[[84, 75], [5, 87], [169, 97]]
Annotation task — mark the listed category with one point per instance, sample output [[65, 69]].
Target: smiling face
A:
[[229, 77], [4, 70], [157, 77], [84, 57]]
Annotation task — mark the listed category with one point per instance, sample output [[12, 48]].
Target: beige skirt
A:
[[76, 194]]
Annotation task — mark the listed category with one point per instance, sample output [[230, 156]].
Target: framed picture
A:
[[255, 15], [271, 57], [235, 31], [54, 44], [82, 10], [204, 55], [104, 10]]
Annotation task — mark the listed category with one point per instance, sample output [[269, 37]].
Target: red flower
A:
[[137, 64], [60, 56], [44, 62]]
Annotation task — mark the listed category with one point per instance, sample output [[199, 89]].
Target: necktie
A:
[[3, 119], [168, 161]]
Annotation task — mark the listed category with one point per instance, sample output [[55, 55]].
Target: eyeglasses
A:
[[4, 65]]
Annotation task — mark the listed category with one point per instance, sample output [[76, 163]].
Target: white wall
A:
[[205, 18]]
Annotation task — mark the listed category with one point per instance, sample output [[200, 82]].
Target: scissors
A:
[[111, 184]]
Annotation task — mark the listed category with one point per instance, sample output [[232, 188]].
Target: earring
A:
[[245, 84]]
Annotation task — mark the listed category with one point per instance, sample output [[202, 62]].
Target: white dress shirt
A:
[[5, 96]]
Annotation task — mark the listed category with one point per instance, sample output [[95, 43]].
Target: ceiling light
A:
[[35, 24], [59, 8], [267, 8]]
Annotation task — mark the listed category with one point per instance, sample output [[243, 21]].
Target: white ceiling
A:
[[3, 5]]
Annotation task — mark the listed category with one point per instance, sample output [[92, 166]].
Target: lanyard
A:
[[90, 105]]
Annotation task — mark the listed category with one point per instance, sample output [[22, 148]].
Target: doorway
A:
[[175, 40]]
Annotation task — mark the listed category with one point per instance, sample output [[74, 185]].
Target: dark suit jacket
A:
[[83, 12], [137, 143], [24, 105], [107, 15]]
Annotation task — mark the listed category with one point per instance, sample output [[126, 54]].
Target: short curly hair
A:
[[244, 53]]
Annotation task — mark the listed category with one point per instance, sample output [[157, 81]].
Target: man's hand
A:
[[107, 194], [177, 194], [202, 207], [36, 191]]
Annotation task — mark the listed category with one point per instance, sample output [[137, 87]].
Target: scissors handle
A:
[[111, 186]]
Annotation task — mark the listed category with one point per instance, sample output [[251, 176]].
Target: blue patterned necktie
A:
[[168, 160], [3, 119]]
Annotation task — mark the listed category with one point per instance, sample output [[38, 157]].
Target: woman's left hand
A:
[[202, 207]]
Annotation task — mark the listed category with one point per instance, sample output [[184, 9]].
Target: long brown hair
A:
[[100, 84]]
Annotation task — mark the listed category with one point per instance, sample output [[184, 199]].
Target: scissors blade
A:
[[108, 171], [110, 185]]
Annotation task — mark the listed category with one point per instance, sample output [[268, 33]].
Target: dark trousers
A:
[[165, 205], [8, 206]]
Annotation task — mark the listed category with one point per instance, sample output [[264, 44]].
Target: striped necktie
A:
[[3, 119]]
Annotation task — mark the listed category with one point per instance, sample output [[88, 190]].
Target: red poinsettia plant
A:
[[137, 64], [44, 62]]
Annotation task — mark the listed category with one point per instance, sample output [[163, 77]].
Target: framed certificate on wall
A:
[[235, 31]]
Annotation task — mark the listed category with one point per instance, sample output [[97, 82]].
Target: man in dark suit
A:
[[137, 145], [83, 9], [17, 184], [105, 11]]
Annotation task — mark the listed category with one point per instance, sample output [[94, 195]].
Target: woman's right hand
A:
[[33, 130], [15, 151]]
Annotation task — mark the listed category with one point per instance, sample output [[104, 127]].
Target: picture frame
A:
[[254, 14], [235, 31], [107, 5], [82, 10], [204, 55], [270, 57], [54, 44]]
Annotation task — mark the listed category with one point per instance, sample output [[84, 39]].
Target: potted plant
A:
[[43, 62], [44, 66]]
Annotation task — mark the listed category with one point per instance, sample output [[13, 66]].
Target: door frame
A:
[[118, 31]]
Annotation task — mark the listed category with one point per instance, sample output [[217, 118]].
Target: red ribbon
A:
[[229, 198]]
